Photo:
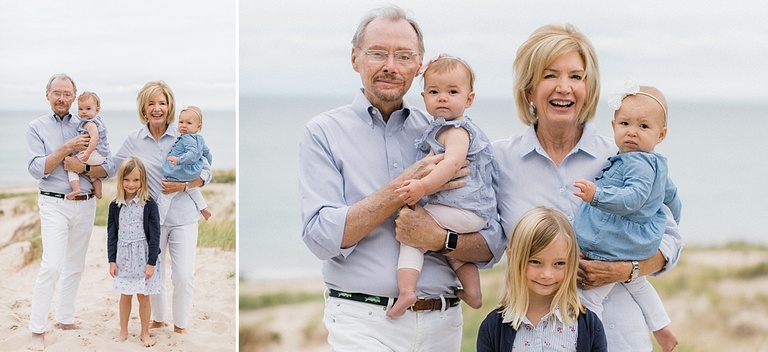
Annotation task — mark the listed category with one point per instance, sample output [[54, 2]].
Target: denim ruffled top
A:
[[625, 220], [103, 146], [477, 195]]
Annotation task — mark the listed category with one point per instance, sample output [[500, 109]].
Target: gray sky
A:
[[692, 50], [113, 48]]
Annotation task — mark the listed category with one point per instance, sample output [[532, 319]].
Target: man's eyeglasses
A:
[[66, 95], [402, 57]]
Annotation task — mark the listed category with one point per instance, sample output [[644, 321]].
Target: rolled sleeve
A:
[[36, 153], [496, 240], [323, 207]]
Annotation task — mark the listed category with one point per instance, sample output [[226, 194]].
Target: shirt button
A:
[[611, 326], [374, 112], [395, 165], [562, 190], [389, 134]]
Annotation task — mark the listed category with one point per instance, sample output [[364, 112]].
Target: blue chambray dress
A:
[[132, 253], [477, 195]]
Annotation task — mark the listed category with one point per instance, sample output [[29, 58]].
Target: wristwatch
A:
[[86, 168], [451, 240], [635, 272]]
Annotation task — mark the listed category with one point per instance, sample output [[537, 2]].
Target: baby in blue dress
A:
[[622, 217], [185, 160], [88, 107], [448, 91]]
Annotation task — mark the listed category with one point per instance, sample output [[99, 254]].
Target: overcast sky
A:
[[692, 50], [114, 47]]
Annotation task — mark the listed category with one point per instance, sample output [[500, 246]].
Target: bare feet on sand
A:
[[147, 340], [205, 213], [179, 330], [37, 342], [156, 324], [67, 326]]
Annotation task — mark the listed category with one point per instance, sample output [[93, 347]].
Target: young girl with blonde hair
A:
[[540, 303], [133, 245]]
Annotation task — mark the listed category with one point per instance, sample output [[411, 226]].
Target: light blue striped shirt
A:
[[345, 155], [140, 143], [529, 178], [46, 134]]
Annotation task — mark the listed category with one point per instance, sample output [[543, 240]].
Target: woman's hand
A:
[[149, 272], [172, 186], [416, 228], [596, 273], [112, 269]]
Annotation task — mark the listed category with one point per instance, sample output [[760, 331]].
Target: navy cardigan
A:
[[497, 336], [151, 230]]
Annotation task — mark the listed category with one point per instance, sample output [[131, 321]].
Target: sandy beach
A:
[[213, 318]]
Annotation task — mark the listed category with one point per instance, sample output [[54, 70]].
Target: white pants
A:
[[455, 219], [95, 159], [357, 326], [643, 293], [65, 227], [181, 243], [164, 202]]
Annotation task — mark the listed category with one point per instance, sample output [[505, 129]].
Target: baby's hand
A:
[[173, 160], [84, 156], [112, 269], [149, 272], [411, 191], [586, 191]]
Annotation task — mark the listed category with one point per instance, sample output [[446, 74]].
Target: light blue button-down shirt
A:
[[345, 155], [46, 134], [141, 144], [529, 178]]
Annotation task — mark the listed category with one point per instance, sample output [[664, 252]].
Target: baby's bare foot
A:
[[403, 302], [73, 194], [666, 339]]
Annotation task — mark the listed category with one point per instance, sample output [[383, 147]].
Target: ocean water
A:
[[716, 150], [219, 130]]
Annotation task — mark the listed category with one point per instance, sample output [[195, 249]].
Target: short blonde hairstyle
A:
[[89, 95], [126, 167], [535, 230], [446, 63], [543, 47], [146, 93], [197, 112]]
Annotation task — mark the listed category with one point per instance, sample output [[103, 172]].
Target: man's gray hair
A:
[[392, 13], [60, 76]]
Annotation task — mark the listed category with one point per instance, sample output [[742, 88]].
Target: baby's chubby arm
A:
[[586, 191], [93, 132], [456, 142]]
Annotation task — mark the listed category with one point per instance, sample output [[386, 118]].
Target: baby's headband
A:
[[632, 88], [438, 57]]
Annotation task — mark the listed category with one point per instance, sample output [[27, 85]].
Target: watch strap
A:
[[635, 272]]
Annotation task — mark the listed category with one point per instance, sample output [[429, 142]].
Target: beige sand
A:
[[213, 318]]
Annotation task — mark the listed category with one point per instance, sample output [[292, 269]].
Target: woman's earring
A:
[[531, 109]]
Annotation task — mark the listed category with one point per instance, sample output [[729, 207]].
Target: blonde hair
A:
[[536, 229], [126, 167], [146, 93], [543, 47], [89, 95], [446, 63], [195, 110]]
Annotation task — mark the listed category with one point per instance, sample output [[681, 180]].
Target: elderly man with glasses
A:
[[65, 224], [351, 159]]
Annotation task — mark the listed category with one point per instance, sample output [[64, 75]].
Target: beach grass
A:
[[721, 290]]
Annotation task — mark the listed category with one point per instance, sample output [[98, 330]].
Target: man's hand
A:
[[172, 186], [416, 228], [78, 143], [74, 164]]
